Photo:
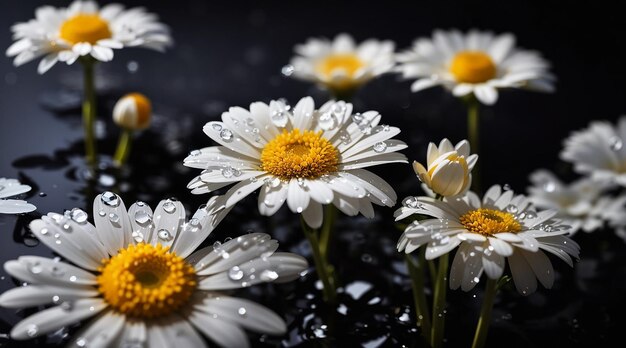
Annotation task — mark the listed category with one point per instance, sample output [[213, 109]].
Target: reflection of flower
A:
[[10, 188], [133, 111], [580, 204], [449, 168], [476, 62], [501, 226], [341, 65], [304, 156], [83, 29], [136, 271], [599, 150]]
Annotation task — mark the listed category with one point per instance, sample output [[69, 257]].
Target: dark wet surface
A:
[[227, 56]]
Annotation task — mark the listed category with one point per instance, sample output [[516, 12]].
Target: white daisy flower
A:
[[502, 226], [84, 29], [303, 156], [580, 204], [341, 65], [10, 188], [477, 63], [599, 151], [449, 167], [137, 272]]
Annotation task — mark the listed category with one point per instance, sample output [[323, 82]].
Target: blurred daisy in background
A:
[[10, 188], [341, 65], [477, 63], [599, 151], [302, 156], [84, 29], [501, 227], [137, 272], [583, 204]]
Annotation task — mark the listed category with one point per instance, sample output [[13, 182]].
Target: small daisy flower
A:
[[341, 65], [580, 204], [501, 227], [599, 151], [84, 29], [449, 167], [136, 271], [10, 188], [133, 111], [477, 63], [301, 156]]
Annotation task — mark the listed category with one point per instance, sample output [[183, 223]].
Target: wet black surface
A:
[[228, 54]]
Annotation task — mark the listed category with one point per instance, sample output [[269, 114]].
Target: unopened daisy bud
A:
[[133, 111], [449, 168]]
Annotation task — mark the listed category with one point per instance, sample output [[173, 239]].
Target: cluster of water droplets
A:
[[413, 203], [364, 123], [333, 117]]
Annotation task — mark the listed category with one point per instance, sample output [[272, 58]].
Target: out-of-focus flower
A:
[[341, 65], [133, 111], [501, 227], [304, 156], [137, 271], [84, 29], [449, 168], [599, 151], [477, 63], [10, 188]]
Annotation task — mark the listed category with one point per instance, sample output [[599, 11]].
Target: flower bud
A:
[[449, 168], [133, 111]]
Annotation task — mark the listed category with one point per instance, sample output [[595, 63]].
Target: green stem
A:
[[439, 303], [89, 111], [321, 266], [416, 272], [480, 337], [473, 133], [327, 228], [123, 147], [432, 269]]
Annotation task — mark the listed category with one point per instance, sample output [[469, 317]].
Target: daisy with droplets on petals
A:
[[84, 29], [10, 188], [137, 271], [341, 65], [477, 63], [501, 227], [448, 171], [580, 204], [599, 151], [302, 156]]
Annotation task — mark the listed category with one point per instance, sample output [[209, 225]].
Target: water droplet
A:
[[506, 187], [531, 215], [102, 213], [81, 342], [132, 66], [114, 218], [549, 186], [35, 268], [111, 199], [142, 217], [235, 273], [66, 306], [57, 271], [301, 182], [268, 275], [380, 147], [412, 202], [616, 143], [279, 118], [73, 278], [137, 236], [511, 208], [242, 311], [226, 134], [287, 70], [195, 153], [345, 137], [165, 235], [169, 206], [32, 330], [216, 127], [42, 194], [327, 121], [79, 216], [44, 231]]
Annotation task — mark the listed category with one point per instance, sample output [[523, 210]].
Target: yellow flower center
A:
[[299, 155], [85, 28], [472, 67], [489, 221], [348, 63], [146, 281], [144, 109]]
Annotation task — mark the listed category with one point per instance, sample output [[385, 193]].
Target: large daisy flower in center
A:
[[84, 29], [137, 272], [477, 63], [501, 227], [304, 156]]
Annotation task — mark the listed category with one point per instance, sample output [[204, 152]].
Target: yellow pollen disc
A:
[[348, 63], [472, 67], [145, 281], [144, 109], [489, 221], [299, 155], [85, 28]]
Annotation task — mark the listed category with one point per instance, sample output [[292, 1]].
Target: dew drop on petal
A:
[[195, 153], [549, 186], [169, 206], [268, 275], [241, 311], [164, 234], [111, 199], [32, 330], [226, 134], [616, 143], [235, 273], [287, 70], [114, 218], [78, 215], [380, 147], [142, 217], [511, 208]]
